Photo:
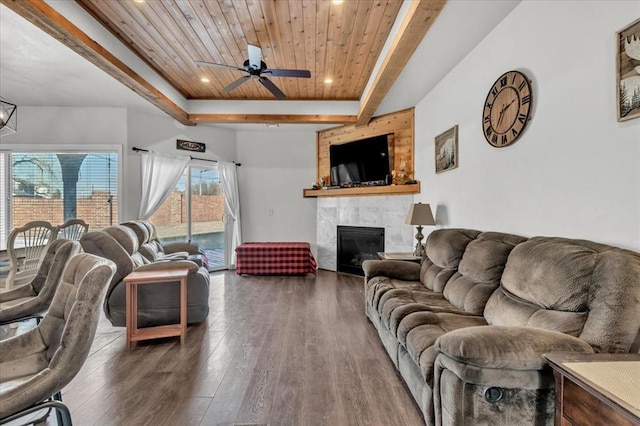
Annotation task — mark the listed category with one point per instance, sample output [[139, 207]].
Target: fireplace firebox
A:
[[357, 244]]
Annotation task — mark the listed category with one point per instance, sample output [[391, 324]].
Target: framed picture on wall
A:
[[628, 71], [447, 150]]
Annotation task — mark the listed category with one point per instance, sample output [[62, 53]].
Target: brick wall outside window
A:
[[95, 210]]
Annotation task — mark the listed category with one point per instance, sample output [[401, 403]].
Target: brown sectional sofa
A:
[[468, 327], [158, 304]]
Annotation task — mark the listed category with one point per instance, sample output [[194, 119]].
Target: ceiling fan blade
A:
[[236, 83], [255, 56], [288, 73], [214, 64], [272, 88]]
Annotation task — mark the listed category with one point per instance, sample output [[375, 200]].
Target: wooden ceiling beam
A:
[[273, 118], [53, 23], [415, 25]]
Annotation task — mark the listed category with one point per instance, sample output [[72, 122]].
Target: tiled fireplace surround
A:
[[388, 212]]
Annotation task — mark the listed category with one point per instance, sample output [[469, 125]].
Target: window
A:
[[56, 186], [194, 211]]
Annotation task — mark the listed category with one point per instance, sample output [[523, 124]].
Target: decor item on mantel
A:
[[447, 150], [8, 117], [628, 71], [420, 214]]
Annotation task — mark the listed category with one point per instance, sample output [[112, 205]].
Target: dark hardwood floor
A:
[[274, 351]]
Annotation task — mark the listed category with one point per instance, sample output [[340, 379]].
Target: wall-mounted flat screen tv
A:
[[362, 161]]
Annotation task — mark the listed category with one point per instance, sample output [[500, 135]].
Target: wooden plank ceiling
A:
[[334, 40]]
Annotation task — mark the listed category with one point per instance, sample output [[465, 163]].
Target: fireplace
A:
[[357, 244]]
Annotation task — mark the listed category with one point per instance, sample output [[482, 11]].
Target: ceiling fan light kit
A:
[[255, 67]]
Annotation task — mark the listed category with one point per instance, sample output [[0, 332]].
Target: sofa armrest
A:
[[397, 269], [503, 347], [23, 355], [178, 255], [25, 290], [169, 264], [191, 248]]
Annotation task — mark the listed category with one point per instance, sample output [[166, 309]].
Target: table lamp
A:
[[420, 214]]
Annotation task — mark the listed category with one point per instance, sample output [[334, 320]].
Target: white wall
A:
[[159, 133], [276, 166], [70, 126], [117, 126], [575, 171]]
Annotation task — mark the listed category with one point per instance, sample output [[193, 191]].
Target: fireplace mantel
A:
[[413, 188]]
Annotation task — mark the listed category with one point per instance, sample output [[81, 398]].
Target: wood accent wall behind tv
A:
[[400, 123]]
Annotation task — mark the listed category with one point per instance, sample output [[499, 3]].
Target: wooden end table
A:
[[132, 281], [596, 389]]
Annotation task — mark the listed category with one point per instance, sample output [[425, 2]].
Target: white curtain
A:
[[160, 174], [229, 181]]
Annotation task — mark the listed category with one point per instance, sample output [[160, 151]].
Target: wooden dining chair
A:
[[72, 229], [26, 247]]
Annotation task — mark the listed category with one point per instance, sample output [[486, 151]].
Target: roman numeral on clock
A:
[[522, 85], [522, 118], [503, 81], [526, 99], [504, 139]]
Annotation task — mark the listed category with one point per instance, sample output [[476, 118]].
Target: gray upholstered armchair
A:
[[158, 304], [36, 365], [33, 298]]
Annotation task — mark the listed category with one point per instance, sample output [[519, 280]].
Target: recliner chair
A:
[[36, 365], [153, 249], [158, 304], [33, 298]]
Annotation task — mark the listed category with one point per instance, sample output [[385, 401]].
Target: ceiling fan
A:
[[256, 68]]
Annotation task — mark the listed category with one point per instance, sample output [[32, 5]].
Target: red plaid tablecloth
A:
[[279, 258]]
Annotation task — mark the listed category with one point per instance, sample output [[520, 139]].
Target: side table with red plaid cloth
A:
[[277, 258]]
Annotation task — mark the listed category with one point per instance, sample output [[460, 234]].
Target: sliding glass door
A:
[[194, 211]]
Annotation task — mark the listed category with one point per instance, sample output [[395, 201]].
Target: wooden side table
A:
[[596, 389], [399, 256], [132, 281]]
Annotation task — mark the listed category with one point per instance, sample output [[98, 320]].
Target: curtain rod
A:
[[191, 157]]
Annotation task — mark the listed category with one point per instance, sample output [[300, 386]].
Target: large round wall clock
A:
[[506, 109]]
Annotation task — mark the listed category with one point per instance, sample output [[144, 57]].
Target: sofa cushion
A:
[[577, 287], [396, 304], [376, 287], [479, 271], [419, 331], [444, 248]]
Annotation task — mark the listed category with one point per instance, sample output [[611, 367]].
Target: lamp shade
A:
[[420, 214]]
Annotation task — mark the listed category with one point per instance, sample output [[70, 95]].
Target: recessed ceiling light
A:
[[328, 81], [204, 80], [139, 1], [337, 1]]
